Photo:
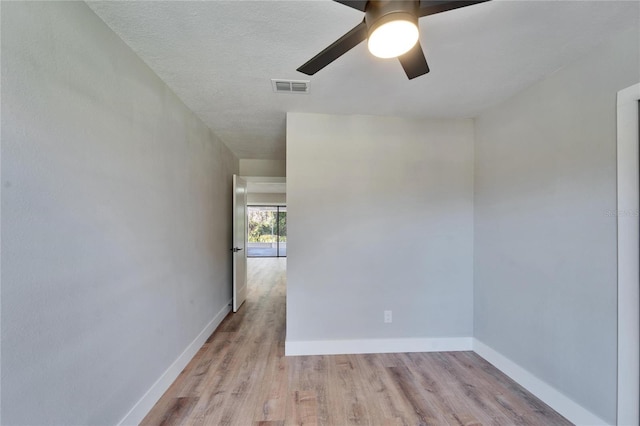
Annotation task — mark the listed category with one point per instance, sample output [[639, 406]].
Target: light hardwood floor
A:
[[241, 377]]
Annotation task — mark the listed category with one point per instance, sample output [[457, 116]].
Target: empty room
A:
[[319, 212]]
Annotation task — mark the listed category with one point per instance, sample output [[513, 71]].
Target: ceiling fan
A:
[[391, 27]]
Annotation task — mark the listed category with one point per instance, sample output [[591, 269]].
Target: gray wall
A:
[[380, 218], [545, 248], [271, 168], [115, 220]]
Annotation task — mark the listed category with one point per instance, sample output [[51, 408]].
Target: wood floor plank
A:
[[531, 409], [392, 395], [442, 389], [241, 377], [374, 381], [427, 411], [336, 404], [269, 423], [355, 408], [302, 408], [272, 402], [176, 413], [208, 361], [476, 397]]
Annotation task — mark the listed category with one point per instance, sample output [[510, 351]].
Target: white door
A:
[[239, 238]]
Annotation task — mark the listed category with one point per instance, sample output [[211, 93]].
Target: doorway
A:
[[267, 231]]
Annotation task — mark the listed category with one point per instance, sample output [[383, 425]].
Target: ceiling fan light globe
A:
[[393, 38]]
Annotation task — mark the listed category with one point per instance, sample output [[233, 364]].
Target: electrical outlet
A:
[[388, 316]]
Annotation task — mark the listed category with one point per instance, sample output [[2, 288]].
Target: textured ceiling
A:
[[219, 57]]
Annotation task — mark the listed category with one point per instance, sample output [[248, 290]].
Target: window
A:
[[267, 231]]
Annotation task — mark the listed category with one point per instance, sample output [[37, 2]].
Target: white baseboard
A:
[[377, 346], [149, 399], [564, 405]]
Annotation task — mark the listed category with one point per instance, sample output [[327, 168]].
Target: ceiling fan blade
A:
[[431, 7], [414, 63], [336, 49], [356, 4]]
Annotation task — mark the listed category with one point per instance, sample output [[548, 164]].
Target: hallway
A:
[[241, 377]]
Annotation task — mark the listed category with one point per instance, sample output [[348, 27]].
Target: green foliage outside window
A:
[[263, 227]]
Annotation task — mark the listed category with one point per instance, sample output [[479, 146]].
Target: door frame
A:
[[628, 115]]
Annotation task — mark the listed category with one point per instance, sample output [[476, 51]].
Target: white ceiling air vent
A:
[[290, 86]]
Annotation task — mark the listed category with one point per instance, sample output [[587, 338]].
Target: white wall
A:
[[271, 168], [115, 220], [380, 218], [545, 242], [270, 199]]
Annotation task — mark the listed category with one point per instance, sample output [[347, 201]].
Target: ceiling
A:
[[219, 57]]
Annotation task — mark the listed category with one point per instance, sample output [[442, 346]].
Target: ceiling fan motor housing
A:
[[379, 12]]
